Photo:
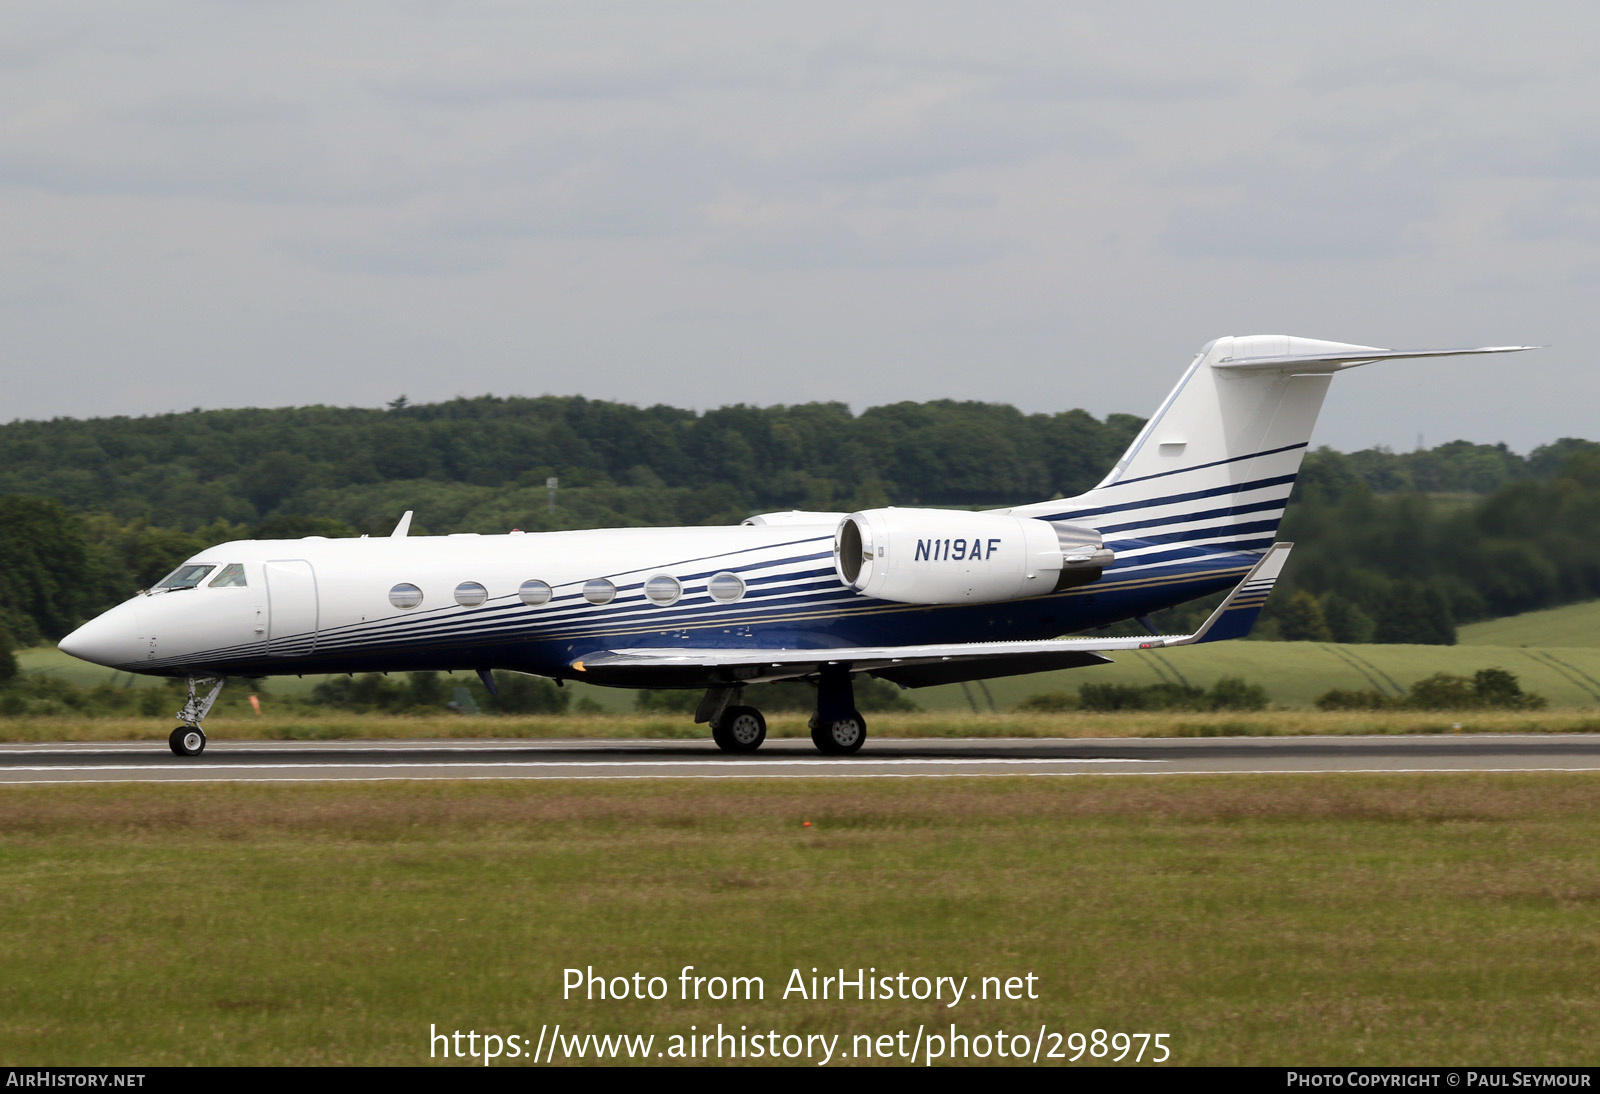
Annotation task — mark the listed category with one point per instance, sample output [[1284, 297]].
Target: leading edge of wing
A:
[[1233, 618]]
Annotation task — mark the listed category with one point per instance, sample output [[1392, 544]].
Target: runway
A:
[[575, 759]]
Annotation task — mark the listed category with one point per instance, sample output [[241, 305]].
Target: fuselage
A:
[[538, 602]]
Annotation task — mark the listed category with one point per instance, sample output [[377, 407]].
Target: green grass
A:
[[1295, 673], [1305, 920], [1570, 626]]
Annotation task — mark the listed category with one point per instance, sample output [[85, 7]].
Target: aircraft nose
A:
[[110, 639]]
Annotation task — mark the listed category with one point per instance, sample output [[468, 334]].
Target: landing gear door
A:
[[291, 608]]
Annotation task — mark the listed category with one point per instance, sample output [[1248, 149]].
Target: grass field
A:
[[1571, 626], [1294, 673], [1305, 920], [1071, 724]]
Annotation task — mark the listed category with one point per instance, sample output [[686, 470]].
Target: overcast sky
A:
[[1052, 205]]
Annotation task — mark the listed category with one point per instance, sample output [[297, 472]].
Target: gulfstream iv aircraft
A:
[[913, 596]]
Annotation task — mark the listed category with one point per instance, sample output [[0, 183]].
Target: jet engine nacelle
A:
[[944, 556]]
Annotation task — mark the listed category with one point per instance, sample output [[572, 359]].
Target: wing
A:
[[919, 666]]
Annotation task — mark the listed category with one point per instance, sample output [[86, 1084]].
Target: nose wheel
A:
[[187, 741]]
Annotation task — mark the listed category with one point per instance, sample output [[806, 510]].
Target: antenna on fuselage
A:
[[403, 528]]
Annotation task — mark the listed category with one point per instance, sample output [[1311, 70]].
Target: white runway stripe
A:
[[797, 762], [855, 775]]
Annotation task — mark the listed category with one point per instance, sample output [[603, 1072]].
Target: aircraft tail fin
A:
[[1213, 467]]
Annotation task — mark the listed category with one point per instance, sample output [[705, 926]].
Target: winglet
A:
[[402, 529], [1237, 614]]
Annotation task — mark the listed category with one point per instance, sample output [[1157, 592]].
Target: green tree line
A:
[[91, 510]]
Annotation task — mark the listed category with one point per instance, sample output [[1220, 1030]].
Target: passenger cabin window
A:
[[599, 591], [185, 577], [663, 590], [231, 577], [725, 588], [405, 595]]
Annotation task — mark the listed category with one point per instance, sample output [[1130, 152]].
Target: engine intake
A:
[[945, 556]]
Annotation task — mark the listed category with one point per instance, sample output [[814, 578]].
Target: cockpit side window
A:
[[185, 577], [231, 577]]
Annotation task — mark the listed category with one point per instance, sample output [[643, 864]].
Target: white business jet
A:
[[913, 596]]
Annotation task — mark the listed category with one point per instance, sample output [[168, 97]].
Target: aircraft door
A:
[[291, 608]]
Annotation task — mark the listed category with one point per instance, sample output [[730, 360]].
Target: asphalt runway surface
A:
[[575, 759]]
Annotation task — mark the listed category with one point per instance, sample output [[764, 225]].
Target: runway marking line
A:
[[797, 762], [861, 775]]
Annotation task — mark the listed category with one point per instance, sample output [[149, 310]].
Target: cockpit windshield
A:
[[185, 577], [231, 577]]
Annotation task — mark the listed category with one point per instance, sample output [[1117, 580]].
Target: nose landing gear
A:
[[189, 739]]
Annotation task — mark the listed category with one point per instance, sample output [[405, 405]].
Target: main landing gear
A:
[[189, 739], [837, 727], [839, 736], [739, 729]]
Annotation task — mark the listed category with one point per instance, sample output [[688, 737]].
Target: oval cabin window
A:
[[534, 593], [663, 590], [405, 595], [599, 591], [726, 587], [469, 594]]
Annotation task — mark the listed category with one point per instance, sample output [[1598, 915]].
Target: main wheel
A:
[[187, 741], [740, 729], [840, 736]]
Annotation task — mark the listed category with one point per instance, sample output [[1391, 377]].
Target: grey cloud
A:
[[51, 34], [1060, 78], [1400, 69], [220, 173], [1274, 214], [1089, 84], [821, 244], [610, 81], [214, 109], [1570, 211], [969, 133], [405, 255]]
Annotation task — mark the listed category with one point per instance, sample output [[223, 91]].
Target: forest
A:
[[1390, 546]]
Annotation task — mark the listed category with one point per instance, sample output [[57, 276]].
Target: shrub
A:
[[1236, 693], [519, 694], [1495, 689], [1110, 697], [1338, 699], [1050, 702], [1499, 688], [1228, 693], [663, 701], [1442, 691]]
